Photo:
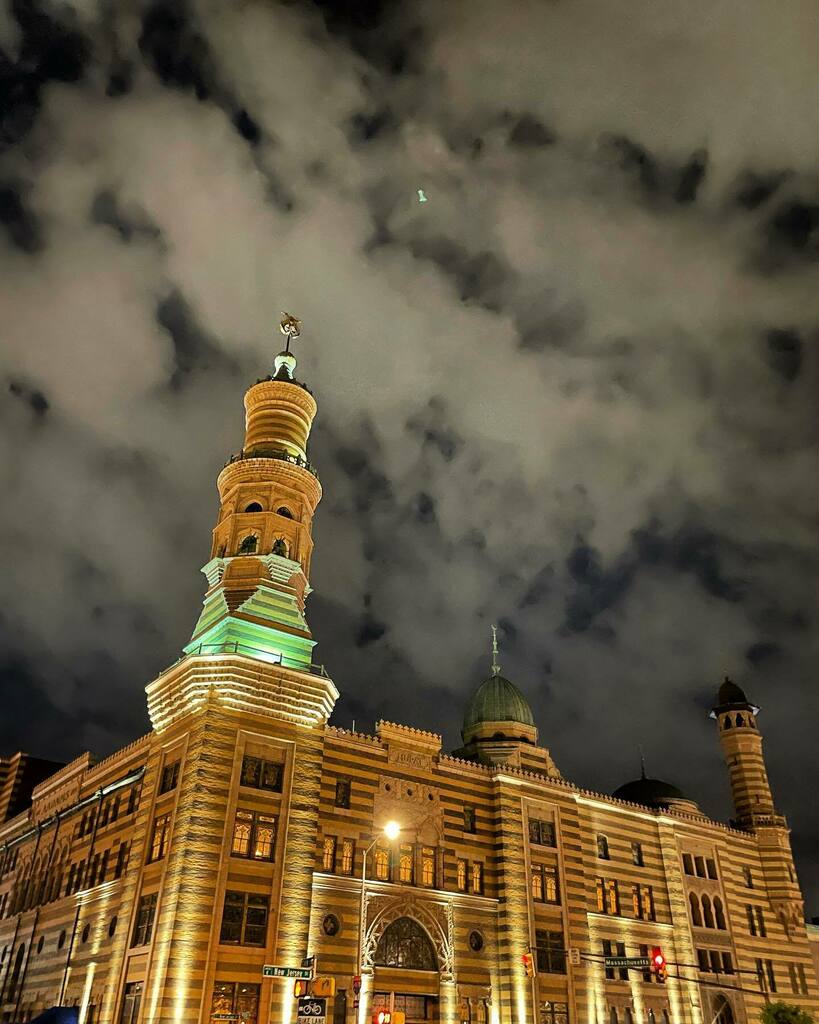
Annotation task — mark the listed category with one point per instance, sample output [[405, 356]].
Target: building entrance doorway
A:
[[416, 1009], [723, 1014]]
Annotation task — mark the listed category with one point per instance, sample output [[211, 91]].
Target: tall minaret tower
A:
[[246, 691], [741, 744], [260, 556]]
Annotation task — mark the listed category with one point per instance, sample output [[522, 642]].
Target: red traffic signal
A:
[[658, 962], [528, 965], [382, 1017]]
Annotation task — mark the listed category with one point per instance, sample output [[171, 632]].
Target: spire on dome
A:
[[285, 362], [495, 665]]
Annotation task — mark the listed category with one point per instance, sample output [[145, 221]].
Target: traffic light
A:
[[658, 963], [528, 965], [300, 988], [382, 1017]]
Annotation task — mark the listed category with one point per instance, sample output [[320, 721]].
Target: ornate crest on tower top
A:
[[290, 326]]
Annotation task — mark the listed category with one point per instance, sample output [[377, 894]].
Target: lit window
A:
[[537, 884], [382, 863], [328, 857], [477, 877], [347, 856], [236, 1001], [462, 872], [428, 866], [612, 897], [160, 837], [242, 829], [264, 837], [406, 872]]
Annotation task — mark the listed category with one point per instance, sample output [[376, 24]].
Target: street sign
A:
[[633, 962], [309, 961], [274, 971], [311, 1011], [574, 957]]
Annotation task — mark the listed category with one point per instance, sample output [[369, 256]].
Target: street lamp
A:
[[390, 831]]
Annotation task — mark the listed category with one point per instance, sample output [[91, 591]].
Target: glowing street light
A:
[[390, 831]]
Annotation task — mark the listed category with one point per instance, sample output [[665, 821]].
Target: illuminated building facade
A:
[[155, 884]]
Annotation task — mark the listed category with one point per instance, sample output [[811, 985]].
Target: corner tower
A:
[[262, 544], [741, 744]]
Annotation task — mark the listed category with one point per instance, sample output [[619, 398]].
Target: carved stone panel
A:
[[416, 807]]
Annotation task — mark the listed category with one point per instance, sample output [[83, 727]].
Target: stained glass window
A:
[[404, 943]]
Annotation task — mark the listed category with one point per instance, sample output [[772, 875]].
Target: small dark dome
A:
[[649, 792], [730, 693]]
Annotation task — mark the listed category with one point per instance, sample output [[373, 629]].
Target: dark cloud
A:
[[691, 178], [528, 132], [21, 226], [33, 397], [785, 351], [107, 210]]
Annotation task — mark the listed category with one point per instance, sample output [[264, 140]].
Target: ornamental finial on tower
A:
[[495, 665], [285, 362]]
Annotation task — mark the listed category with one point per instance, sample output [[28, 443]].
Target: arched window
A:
[[248, 545], [666, 1018], [283, 511], [613, 1015], [628, 1015], [739, 720], [404, 943], [719, 913], [602, 847], [15, 974], [254, 506], [726, 722], [696, 914], [707, 913], [651, 1018], [382, 863], [723, 1014]]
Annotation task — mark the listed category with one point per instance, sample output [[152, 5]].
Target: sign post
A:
[[275, 971], [311, 1011], [632, 963]]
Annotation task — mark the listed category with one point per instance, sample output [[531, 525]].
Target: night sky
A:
[[574, 392]]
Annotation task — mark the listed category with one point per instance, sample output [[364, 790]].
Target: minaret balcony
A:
[[272, 453]]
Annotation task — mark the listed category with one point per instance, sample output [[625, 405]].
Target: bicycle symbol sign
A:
[[311, 1011]]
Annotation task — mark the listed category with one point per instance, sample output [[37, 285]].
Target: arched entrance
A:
[[722, 1011], [404, 943], [406, 972]]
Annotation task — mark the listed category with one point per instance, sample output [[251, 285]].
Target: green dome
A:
[[497, 700]]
